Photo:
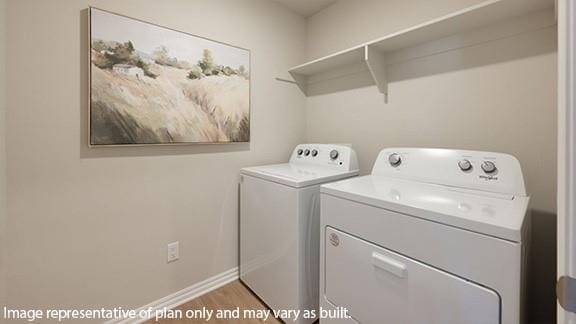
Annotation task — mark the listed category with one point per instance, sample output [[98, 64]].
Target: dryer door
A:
[[380, 286]]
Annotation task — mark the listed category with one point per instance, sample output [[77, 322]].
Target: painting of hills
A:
[[154, 85]]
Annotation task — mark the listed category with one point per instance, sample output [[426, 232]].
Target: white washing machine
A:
[[280, 225], [431, 236]]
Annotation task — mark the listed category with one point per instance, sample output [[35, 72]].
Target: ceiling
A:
[[306, 8]]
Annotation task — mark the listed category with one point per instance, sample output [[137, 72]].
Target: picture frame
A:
[[153, 85]]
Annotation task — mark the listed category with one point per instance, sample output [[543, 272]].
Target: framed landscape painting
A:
[[151, 85]]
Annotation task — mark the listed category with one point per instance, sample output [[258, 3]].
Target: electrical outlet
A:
[[173, 252]]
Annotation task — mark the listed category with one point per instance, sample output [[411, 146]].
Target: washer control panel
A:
[[493, 172], [342, 157]]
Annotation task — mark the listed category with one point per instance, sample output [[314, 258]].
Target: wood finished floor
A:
[[232, 295]]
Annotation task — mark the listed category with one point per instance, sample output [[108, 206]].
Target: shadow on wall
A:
[[429, 58], [526, 45], [541, 275], [155, 150]]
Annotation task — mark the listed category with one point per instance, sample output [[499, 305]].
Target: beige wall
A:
[[349, 23], [500, 96], [2, 149], [89, 227]]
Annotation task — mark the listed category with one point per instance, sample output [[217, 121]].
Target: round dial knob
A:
[[314, 153], [489, 167], [334, 154], [300, 151], [395, 159], [465, 165], [307, 152]]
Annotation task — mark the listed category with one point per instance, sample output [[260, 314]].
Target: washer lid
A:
[[498, 215], [297, 175]]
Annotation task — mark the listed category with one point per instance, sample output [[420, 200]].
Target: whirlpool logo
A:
[[334, 239], [488, 177]]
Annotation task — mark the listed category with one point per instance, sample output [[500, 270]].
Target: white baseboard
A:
[[185, 295]]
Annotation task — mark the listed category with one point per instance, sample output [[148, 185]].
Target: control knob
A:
[[395, 159], [334, 154], [307, 152], [300, 151], [465, 165], [489, 167], [314, 153]]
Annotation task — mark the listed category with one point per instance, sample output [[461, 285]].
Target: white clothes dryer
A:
[[431, 236]]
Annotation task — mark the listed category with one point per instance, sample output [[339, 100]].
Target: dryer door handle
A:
[[388, 264]]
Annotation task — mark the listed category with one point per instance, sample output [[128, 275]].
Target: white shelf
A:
[[464, 28]]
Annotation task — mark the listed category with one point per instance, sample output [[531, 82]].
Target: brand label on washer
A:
[[334, 239]]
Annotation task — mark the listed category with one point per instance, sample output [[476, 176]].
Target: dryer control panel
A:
[[487, 171], [341, 157]]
